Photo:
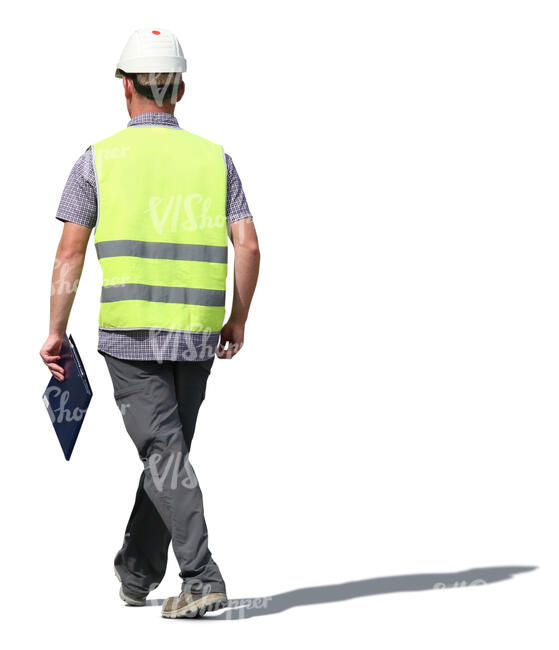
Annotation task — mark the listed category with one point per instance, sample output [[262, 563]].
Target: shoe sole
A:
[[127, 599], [209, 603]]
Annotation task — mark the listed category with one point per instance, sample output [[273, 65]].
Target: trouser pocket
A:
[[137, 412]]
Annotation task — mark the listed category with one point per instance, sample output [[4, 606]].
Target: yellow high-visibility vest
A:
[[161, 234]]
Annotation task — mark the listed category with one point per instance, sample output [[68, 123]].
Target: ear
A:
[[128, 86], [181, 91]]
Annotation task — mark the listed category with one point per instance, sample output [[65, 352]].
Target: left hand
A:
[[50, 354], [232, 336]]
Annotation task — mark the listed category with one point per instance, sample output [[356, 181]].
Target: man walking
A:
[[163, 202]]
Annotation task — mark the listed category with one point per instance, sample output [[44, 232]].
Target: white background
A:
[[394, 410]]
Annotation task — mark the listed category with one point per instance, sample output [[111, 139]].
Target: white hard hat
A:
[[152, 50]]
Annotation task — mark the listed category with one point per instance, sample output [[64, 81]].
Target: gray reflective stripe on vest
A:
[[161, 250], [183, 295]]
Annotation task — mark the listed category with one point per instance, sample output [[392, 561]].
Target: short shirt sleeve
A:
[[236, 206], [78, 203]]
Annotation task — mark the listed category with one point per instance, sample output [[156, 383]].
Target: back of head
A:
[[153, 60], [156, 86]]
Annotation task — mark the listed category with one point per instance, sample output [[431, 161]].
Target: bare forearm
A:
[[66, 274], [65, 279], [247, 263]]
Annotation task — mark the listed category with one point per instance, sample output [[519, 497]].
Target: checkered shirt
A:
[[79, 205]]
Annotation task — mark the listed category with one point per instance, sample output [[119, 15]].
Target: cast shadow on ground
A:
[[244, 608]]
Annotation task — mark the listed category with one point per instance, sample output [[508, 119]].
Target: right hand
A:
[[50, 355]]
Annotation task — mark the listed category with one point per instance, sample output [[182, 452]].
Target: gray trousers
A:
[[159, 403]]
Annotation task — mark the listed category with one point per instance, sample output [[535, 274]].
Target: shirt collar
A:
[[155, 119]]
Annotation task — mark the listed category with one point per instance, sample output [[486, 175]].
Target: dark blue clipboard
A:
[[67, 401]]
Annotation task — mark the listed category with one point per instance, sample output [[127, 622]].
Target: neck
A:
[[137, 108]]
